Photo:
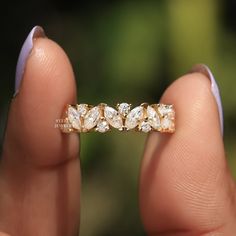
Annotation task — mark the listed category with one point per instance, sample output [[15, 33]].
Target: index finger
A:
[[40, 171]]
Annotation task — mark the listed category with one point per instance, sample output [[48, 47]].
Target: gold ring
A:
[[84, 118]]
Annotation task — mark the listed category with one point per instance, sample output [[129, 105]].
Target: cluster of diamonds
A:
[[101, 118]]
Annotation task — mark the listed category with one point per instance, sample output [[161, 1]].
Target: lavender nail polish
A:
[[26, 49], [201, 68]]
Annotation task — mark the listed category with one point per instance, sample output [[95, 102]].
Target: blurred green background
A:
[[129, 50]]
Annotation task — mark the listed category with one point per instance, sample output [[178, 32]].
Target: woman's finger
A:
[[40, 172], [186, 187]]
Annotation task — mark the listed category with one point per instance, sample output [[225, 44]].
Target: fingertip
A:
[[47, 86], [194, 102], [173, 196], [49, 71]]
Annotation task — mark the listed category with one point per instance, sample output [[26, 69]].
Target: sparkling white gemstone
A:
[[145, 127], [74, 118], [91, 118], [134, 117], [167, 124], [168, 114], [113, 117], [124, 108], [153, 118], [166, 110], [82, 109], [102, 126]]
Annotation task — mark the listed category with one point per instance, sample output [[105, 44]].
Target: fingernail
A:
[[201, 68], [36, 32]]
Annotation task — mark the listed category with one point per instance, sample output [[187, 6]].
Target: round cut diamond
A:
[[74, 118], [113, 117], [82, 109], [134, 116], [91, 118], [145, 126], [102, 126], [124, 108], [153, 118]]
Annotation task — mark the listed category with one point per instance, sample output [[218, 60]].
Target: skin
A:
[[185, 184]]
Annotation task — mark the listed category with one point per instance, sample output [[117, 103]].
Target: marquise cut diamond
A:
[[145, 118], [133, 118], [91, 118], [166, 110], [74, 118], [113, 117], [167, 124], [168, 115], [153, 118]]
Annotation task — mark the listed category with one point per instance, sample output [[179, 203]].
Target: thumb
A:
[[186, 187]]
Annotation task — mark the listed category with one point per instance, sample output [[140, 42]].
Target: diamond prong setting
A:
[[145, 118]]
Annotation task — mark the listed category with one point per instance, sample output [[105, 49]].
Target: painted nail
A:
[[201, 68], [36, 32]]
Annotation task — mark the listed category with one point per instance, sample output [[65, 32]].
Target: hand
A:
[[185, 185]]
